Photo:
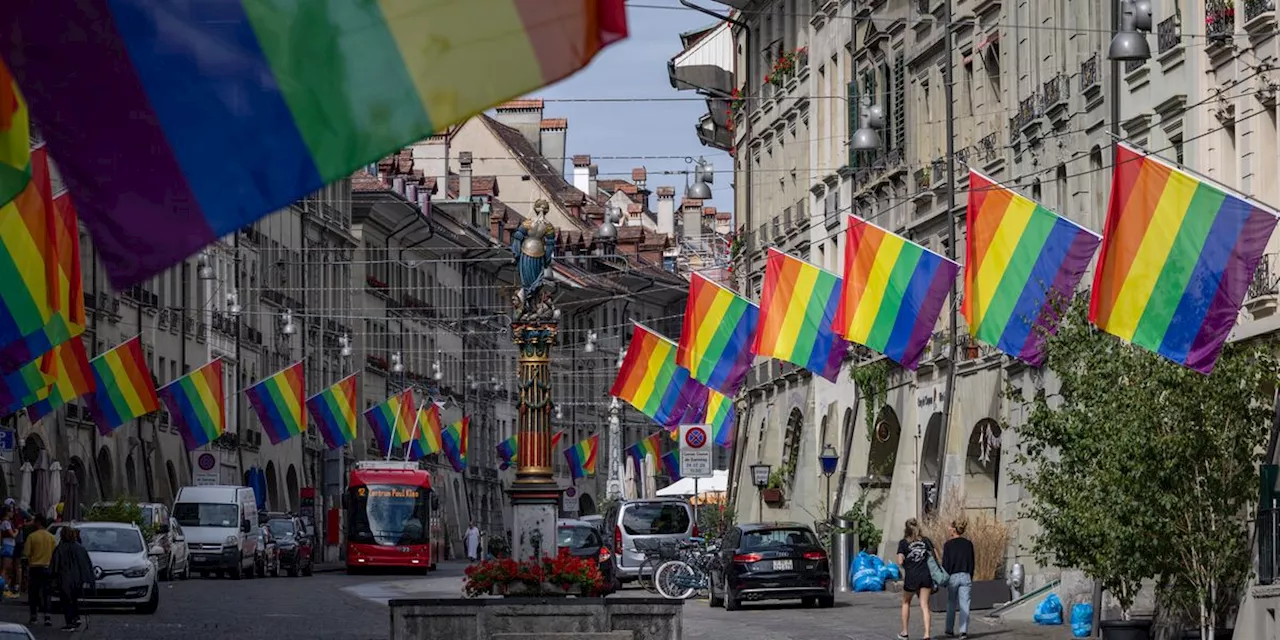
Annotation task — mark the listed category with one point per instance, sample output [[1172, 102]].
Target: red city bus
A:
[[393, 517]]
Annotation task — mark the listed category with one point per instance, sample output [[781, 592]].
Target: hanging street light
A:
[[286, 322], [344, 346], [703, 177], [397, 364], [1129, 43], [233, 303], [590, 347], [204, 270], [870, 118]]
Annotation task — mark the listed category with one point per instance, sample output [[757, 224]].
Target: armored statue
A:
[[534, 246]]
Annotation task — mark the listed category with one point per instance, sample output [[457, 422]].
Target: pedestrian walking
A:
[[37, 551], [957, 561], [8, 548], [914, 551], [72, 573], [473, 543]]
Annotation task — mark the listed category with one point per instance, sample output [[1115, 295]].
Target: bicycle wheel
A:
[[671, 578], [644, 576]]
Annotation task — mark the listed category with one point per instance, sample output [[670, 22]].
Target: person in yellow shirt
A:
[[38, 552]]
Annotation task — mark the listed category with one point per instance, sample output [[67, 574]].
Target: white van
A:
[[217, 521]]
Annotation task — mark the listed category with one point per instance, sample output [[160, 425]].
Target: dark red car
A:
[[294, 545]]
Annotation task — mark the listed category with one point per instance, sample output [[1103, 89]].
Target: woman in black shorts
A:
[[913, 556]]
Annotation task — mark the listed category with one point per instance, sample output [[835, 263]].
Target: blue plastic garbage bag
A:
[[1082, 620], [866, 573], [1049, 611], [890, 571]]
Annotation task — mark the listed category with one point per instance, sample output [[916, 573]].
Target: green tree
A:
[[1138, 467]]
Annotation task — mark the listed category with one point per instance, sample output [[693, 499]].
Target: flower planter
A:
[[1218, 634], [1126, 629], [526, 590], [596, 618], [773, 497], [984, 595]]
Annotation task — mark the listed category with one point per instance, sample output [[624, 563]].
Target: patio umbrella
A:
[[53, 487], [24, 485]]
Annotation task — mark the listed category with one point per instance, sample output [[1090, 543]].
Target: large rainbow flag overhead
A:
[[581, 457], [278, 401], [198, 404], [15, 137], [1178, 254], [652, 382], [894, 290], [392, 420], [334, 410], [1022, 265], [74, 378], [124, 389], [171, 141], [798, 305], [427, 441], [716, 344]]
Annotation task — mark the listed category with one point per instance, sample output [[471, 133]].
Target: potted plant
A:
[[773, 493]]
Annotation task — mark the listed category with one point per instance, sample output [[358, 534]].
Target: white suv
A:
[[123, 572]]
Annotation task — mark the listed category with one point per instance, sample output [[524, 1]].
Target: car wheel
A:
[[166, 574], [808, 602], [153, 602], [204, 575], [826, 602], [186, 570], [716, 601], [237, 572], [731, 603]]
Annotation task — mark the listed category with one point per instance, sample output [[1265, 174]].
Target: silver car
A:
[[125, 575], [649, 523]]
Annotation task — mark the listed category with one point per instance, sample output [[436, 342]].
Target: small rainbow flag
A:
[[74, 379], [671, 465], [894, 290], [25, 385], [455, 443], [244, 114], [798, 305], [334, 410], [124, 388], [717, 339], [651, 381], [1178, 255], [582, 457], [15, 138], [278, 401], [649, 447], [392, 420], [718, 412], [428, 439], [198, 404], [507, 450]]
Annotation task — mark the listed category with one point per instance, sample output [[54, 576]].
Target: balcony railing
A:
[[1219, 19], [987, 147], [923, 179], [1089, 73], [1169, 33], [939, 169], [1255, 8], [1026, 113], [1056, 90], [1266, 278], [1133, 65]]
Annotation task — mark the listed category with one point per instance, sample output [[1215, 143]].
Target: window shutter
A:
[[887, 103], [854, 112], [900, 101]]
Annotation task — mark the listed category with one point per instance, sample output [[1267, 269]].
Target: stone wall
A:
[[537, 618]]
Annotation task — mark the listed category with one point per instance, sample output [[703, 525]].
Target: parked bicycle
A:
[[656, 553], [689, 574]]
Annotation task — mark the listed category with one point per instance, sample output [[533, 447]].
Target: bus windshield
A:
[[388, 515]]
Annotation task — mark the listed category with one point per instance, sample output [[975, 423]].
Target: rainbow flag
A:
[[719, 413], [392, 420], [455, 443], [1178, 255], [278, 401], [1022, 264], [334, 410], [717, 339], [651, 381], [74, 379], [427, 441], [797, 308], [507, 450], [124, 387], [649, 447], [671, 465], [894, 290], [259, 103], [582, 457], [198, 404], [25, 385], [15, 138]]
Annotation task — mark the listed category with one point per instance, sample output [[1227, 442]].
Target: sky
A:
[[630, 75]]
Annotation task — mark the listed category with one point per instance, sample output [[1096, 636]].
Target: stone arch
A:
[[883, 454], [75, 491], [273, 487], [930, 448], [106, 475], [131, 477], [293, 488], [982, 466], [586, 505], [793, 442], [171, 473]]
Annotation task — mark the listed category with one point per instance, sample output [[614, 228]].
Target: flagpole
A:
[[391, 437], [1186, 169], [313, 396], [274, 374], [413, 435]]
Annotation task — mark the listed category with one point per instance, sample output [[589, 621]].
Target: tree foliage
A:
[[124, 511], [1139, 468]]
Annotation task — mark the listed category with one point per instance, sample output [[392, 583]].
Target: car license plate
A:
[[781, 565]]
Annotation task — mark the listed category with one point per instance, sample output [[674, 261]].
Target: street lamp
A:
[[286, 322], [559, 413], [870, 118], [1129, 43], [760, 477], [204, 270], [590, 347], [397, 364], [344, 346], [829, 458], [233, 303], [703, 177]]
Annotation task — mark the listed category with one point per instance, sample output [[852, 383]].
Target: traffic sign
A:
[[206, 478], [695, 451], [570, 502], [8, 440]]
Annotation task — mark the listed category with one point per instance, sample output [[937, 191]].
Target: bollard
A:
[[845, 548]]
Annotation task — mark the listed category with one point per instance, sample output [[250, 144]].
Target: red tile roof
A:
[[724, 215], [547, 176], [666, 192], [610, 185], [555, 123], [639, 174], [581, 160], [532, 103]]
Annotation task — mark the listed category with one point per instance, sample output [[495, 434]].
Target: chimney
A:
[[464, 176], [582, 173], [692, 210], [640, 176], [554, 132], [524, 116], [592, 185], [411, 192], [667, 210]]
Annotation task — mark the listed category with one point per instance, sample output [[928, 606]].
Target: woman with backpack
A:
[[914, 552]]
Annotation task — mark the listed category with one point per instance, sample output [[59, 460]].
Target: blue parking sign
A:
[[7, 440]]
